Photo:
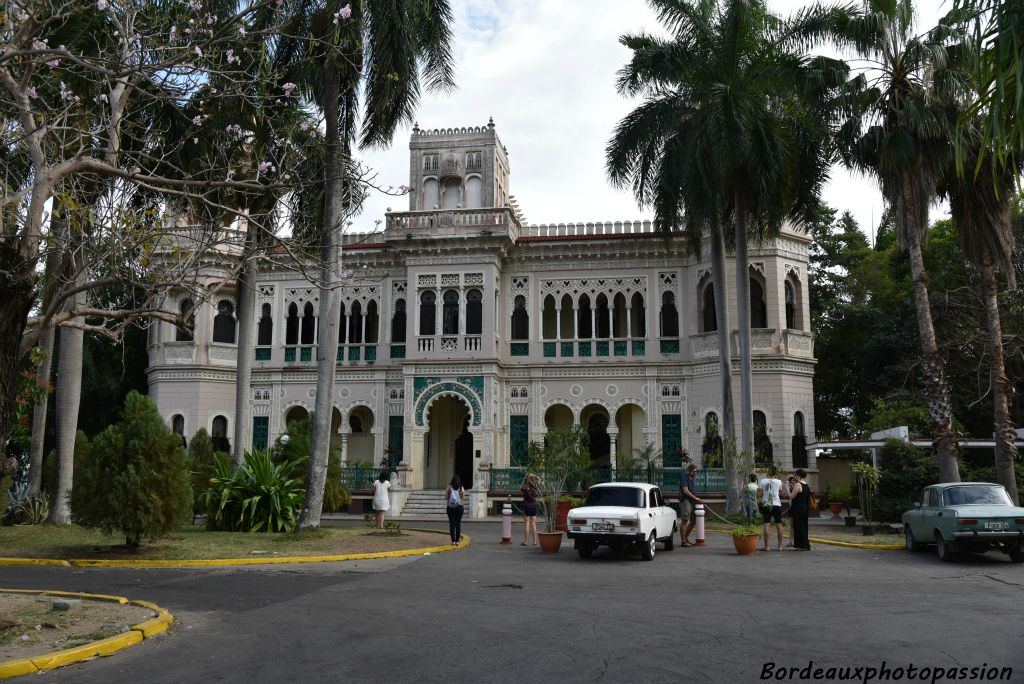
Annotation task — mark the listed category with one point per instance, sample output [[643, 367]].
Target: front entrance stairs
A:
[[425, 504]]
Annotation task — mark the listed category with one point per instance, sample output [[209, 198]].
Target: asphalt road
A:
[[494, 613]]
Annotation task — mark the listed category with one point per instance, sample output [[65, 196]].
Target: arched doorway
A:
[[594, 419], [631, 420], [449, 443]]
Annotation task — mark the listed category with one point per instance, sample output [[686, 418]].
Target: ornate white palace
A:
[[468, 333]]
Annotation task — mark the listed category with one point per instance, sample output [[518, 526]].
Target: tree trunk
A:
[[743, 328], [245, 293], [728, 432], [43, 370], [69, 395], [1002, 388], [330, 265], [933, 370]]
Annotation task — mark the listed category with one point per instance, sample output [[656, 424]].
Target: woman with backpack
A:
[[454, 496]]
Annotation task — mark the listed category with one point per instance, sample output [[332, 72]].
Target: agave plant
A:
[[259, 496]]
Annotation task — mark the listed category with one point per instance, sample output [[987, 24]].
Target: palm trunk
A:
[[69, 395], [733, 502], [330, 264], [43, 370], [743, 328], [1002, 388], [936, 388], [245, 293]]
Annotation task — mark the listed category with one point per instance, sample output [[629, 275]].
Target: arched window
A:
[[603, 331], [398, 322], [584, 319], [308, 324], [224, 322], [219, 434], [431, 194], [763, 452], [758, 309], [565, 319], [799, 441], [474, 312], [619, 316], [178, 424], [669, 316], [185, 334], [794, 319], [343, 326], [372, 322], [520, 319], [428, 318], [291, 325], [711, 448], [638, 316], [265, 333], [355, 324], [709, 320], [550, 322], [474, 192], [450, 313]]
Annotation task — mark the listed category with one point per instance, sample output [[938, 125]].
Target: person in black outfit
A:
[[799, 509]]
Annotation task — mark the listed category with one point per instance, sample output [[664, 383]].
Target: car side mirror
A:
[[917, 504]]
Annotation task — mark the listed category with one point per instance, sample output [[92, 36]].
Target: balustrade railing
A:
[[357, 478], [708, 479]]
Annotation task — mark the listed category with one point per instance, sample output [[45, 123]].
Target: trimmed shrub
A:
[[257, 496], [135, 478], [906, 470], [201, 455]]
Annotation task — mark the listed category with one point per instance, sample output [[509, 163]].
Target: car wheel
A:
[[586, 550], [943, 548], [908, 535], [1016, 553], [670, 541], [647, 553]]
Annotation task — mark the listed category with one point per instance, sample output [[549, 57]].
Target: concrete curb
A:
[[108, 646], [223, 562], [848, 545]]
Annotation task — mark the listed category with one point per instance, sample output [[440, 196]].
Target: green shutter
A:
[[396, 439], [260, 432], [519, 439], [671, 440]]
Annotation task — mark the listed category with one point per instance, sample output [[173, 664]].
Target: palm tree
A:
[[898, 131], [980, 194], [732, 130], [384, 52]]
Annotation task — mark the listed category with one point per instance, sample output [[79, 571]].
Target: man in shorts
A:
[[771, 504], [688, 501]]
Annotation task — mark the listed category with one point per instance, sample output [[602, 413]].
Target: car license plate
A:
[[997, 526], [603, 527]]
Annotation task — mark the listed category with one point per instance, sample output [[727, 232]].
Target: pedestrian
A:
[[750, 507], [799, 496], [688, 501], [771, 505], [454, 496], [789, 511], [381, 500], [530, 492]]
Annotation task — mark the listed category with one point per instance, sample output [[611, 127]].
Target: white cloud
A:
[[545, 70]]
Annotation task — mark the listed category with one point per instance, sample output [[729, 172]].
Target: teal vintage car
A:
[[971, 517]]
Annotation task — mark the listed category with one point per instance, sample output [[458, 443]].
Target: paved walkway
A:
[[510, 614]]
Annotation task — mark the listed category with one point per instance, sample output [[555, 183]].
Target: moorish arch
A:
[[559, 415], [631, 420], [595, 419]]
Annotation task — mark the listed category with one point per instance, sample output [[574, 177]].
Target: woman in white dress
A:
[[381, 500]]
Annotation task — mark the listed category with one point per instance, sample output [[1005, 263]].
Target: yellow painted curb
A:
[[263, 560], [108, 646], [36, 561], [849, 545]]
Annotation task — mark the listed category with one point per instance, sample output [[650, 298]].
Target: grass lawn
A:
[[196, 543]]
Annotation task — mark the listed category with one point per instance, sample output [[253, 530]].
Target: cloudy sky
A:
[[545, 71]]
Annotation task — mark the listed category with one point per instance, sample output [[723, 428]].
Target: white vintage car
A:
[[620, 514]]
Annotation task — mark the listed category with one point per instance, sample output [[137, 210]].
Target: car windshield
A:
[[630, 497], [966, 495]]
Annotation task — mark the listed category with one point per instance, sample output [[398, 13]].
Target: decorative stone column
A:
[[613, 435], [478, 495], [344, 448]]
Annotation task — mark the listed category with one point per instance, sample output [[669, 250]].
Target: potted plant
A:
[[838, 496], [867, 482], [744, 538], [566, 504], [562, 455]]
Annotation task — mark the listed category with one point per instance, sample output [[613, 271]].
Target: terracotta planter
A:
[[746, 546], [562, 516], [550, 542], [836, 507]]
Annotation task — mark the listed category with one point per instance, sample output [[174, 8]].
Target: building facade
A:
[[467, 333]]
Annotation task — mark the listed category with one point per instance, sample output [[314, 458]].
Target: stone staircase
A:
[[425, 503]]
